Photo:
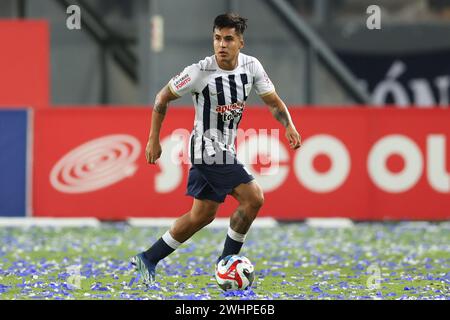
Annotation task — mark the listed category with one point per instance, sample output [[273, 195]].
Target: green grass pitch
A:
[[292, 261]]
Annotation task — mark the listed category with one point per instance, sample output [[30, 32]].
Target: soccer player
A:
[[219, 85]]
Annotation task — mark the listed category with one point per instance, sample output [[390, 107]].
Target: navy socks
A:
[[161, 248], [233, 243]]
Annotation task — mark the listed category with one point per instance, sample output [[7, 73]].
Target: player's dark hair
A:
[[231, 20]]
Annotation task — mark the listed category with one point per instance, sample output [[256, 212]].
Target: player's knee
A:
[[257, 200]]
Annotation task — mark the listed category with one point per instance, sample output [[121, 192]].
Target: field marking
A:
[[217, 223], [50, 222], [329, 223]]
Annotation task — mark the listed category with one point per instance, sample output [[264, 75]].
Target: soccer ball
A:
[[234, 272]]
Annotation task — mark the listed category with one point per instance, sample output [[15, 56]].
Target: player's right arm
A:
[[153, 150], [179, 85]]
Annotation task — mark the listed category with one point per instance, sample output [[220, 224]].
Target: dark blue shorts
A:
[[215, 181]]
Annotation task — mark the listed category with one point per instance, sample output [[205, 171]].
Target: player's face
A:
[[227, 44]]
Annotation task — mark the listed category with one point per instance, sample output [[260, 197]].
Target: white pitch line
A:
[[48, 222], [329, 222], [217, 223]]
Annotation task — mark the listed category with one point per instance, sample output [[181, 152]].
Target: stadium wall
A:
[[24, 63], [77, 60], [15, 150], [363, 164]]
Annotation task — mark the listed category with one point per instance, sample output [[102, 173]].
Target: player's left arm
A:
[[281, 113]]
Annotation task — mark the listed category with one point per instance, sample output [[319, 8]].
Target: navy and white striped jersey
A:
[[219, 97]]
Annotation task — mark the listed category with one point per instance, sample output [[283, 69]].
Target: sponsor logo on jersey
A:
[[182, 81], [231, 111]]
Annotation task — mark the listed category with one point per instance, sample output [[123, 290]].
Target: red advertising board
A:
[[364, 164], [24, 63]]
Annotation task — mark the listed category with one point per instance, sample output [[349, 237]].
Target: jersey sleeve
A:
[[263, 84], [185, 81]]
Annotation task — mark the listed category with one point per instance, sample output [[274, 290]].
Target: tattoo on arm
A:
[[160, 108], [281, 115]]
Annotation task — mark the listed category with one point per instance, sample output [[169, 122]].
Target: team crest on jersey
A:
[[231, 111]]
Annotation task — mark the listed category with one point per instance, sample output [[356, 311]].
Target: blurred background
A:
[[367, 84], [318, 52]]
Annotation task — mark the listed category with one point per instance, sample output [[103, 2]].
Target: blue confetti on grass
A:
[[330, 263], [315, 288]]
